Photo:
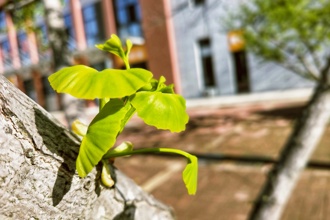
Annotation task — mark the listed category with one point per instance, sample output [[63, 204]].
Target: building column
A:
[[78, 24], [172, 46], [33, 48], [12, 37], [38, 87], [160, 41], [109, 17]]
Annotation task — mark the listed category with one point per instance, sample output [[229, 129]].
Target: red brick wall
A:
[[159, 44]]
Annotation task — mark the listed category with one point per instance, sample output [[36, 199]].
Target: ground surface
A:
[[227, 188]]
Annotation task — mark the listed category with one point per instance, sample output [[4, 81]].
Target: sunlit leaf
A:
[[113, 45], [129, 47], [190, 175], [162, 87], [128, 116], [101, 135], [162, 110], [87, 83]]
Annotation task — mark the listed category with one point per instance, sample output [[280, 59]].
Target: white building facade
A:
[[208, 65]]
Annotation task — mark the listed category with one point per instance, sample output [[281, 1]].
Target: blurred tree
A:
[[24, 14], [296, 35]]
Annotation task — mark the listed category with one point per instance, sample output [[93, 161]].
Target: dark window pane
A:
[[241, 71], [198, 2], [208, 71], [131, 11], [207, 62]]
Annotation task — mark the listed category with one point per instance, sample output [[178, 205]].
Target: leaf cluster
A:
[[294, 33], [122, 93]]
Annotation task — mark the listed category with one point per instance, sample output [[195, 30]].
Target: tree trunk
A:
[[57, 35], [58, 40], [295, 155], [37, 171]]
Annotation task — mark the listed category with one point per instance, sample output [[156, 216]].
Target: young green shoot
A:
[[122, 93]]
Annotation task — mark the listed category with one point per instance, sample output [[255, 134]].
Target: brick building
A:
[[180, 39], [25, 62]]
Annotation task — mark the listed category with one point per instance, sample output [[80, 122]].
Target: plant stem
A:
[[126, 61], [147, 150]]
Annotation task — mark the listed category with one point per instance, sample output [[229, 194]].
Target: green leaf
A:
[[87, 83], [113, 45], [101, 135], [129, 46], [162, 110], [128, 116], [190, 174], [162, 87]]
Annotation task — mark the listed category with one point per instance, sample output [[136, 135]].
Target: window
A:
[[207, 63], [23, 48], [44, 50], [5, 52], [131, 12], [93, 24], [128, 18], [70, 32], [2, 21], [241, 71], [198, 2]]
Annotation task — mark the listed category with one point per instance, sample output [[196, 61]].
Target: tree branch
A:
[[309, 70]]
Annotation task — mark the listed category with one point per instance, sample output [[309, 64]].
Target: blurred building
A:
[[214, 62], [180, 39]]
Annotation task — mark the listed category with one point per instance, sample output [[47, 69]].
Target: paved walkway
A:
[[254, 124], [227, 190]]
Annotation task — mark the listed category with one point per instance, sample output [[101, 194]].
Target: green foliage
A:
[[294, 33], [101, 135], [113, 45], [190, 175], [164, 111], [122, 93], [87, 83]]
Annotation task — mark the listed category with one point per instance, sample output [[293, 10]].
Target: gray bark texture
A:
[[38, 179], [304, 139]]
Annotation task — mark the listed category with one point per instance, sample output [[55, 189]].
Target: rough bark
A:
[[37, 171], [295, 155]]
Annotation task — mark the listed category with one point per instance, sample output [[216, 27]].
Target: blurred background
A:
[[241, 108]]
